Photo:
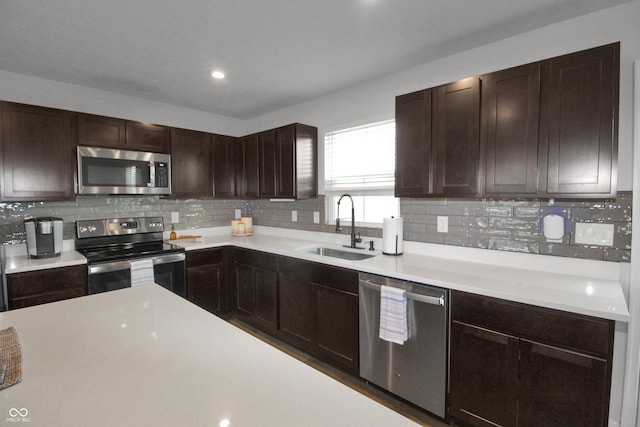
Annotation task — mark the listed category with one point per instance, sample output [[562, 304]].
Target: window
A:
[[360, 161]]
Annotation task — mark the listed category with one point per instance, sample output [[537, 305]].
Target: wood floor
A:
[[408, 410]]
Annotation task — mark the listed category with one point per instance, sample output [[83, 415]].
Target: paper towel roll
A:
[[392, 236]]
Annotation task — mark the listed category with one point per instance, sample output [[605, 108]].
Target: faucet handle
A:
[[358, 239]]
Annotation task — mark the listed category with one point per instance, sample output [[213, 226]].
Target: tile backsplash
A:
[[507, 225]]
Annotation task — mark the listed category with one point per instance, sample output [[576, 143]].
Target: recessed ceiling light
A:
[[217, 74]]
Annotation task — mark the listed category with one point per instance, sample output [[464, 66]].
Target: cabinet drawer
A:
[[331, 277], [567, 330], [204, 257], [258, 259]]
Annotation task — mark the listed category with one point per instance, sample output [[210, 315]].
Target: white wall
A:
[[376, 98], [36, 91]]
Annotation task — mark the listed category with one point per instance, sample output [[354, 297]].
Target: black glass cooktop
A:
[[128, 251]]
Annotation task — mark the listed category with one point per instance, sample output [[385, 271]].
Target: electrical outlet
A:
[[316, 217], [443, 224], [175, 217], [594, 234], [294, 216], [238, 213]]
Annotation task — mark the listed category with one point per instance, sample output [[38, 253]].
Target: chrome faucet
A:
[[354, 239]]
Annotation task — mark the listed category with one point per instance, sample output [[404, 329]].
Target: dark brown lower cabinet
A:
[[518, 365], [297, 322], [42, 286], [256, 288], [206, 279], [318, 310]]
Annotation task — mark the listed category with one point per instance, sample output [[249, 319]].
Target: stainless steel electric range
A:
[[114, 246]]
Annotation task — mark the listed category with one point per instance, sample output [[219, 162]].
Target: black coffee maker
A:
[[44, 237]]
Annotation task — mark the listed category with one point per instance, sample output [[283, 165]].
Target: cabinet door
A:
[[147, 137], [37, 153], [245, 289], [561, 388], [99, 131], [191, 164], [206, 278], [413, 144], [511, 100], [579, 123], [38, 287], [224, 166], [337, 326], [296, 318], [266, 310], [456, 138], [483, 377], [267, 163], [204, 286], [286, 162], [250, 166]]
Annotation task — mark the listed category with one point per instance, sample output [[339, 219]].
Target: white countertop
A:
[[143, 356], [17, 260], [576, 285]]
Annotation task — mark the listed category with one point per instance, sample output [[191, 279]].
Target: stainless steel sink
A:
[[338, 253]]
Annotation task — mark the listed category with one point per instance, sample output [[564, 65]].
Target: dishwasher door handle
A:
[[428, 299]]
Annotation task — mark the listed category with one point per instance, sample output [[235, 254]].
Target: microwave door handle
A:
[[152, 175]]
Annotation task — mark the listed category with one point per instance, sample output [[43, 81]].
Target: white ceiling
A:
[[276, 53]]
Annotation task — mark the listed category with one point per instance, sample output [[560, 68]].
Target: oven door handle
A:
[[108, 267]]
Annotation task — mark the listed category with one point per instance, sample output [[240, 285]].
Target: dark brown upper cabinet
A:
[[268, 176], [191, 164], [225, 158], [579, 123], [511, 110], [546, 129], [37, 153], [111, 132], [456, 138], [413, 144], [438, 141], [297, 165], [280, 163], [250, 166]]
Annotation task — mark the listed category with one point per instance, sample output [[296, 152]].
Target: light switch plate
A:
[[175, 217], [316, 217], [588, 233], [443, 224], [238, 213], [294, 216]]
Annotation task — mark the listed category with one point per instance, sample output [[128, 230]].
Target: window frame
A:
[[330, 208]]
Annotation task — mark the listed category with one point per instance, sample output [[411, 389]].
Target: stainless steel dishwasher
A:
[[417, 369]]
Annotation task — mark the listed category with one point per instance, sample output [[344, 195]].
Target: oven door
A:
[[168, 271]]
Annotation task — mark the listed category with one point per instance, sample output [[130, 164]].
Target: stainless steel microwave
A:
[[112, 171]]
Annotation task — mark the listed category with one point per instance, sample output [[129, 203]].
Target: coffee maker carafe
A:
[[44, 237]]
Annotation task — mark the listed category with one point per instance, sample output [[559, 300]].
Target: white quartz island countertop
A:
[[143, 356], [580, 286]]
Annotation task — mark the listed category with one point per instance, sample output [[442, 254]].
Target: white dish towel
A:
[[393, 315], [142, 272]]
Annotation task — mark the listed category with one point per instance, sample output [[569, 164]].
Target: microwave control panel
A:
[[162, 174]]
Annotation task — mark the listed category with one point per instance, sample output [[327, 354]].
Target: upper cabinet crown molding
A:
[[546, 129]]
